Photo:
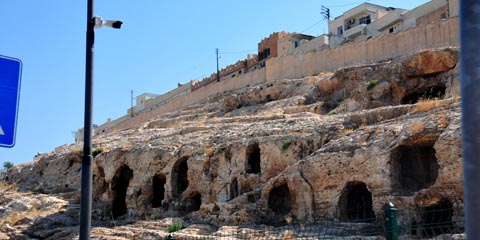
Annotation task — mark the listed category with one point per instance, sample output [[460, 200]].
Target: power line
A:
[[245, 51], [344, 5], [313, 25]]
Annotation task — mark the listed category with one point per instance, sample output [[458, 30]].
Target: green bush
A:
[[372, 83], [98, 151], [286, 144], [331, 113], [175, 226]]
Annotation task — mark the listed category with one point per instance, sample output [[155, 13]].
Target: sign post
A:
[[10, 75]]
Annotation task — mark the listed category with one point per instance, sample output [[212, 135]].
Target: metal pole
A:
[[218, 73], [470, 85], [86, 190], [131, 103]]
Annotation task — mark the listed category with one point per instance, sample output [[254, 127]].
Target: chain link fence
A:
[[438, 221]]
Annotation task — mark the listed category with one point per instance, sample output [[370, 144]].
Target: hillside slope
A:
[[286, 151]]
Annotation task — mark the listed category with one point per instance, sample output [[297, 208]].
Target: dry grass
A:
[[345, 132], [364, 126], [215, 119], [456, 98], [13, 217], [287, 234], [442, 120], [8, 187], [209, 150], [311, 79], [424, 105], [416, 127], [77, 151], [201, 122]]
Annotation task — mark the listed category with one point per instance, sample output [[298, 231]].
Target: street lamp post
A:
[[86, 187], [470, 87]]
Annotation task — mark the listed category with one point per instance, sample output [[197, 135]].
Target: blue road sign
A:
[[10, 74]]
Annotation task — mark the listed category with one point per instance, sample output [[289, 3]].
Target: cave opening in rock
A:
[[356, 203], [194, 202], [329, 106], [279, 200], [180, 176], [234, 189], [158, 189], [437, 219], [414, 168], [422, 93], [120, 183], [253, 159]]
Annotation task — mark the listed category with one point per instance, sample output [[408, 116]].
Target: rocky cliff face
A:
[[294, 150]]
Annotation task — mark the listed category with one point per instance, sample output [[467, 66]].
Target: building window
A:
[[340, 31], [264, 54], [391, 30], [297, 44], [365, 20]]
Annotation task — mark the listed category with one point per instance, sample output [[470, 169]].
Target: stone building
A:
[[268, 47]]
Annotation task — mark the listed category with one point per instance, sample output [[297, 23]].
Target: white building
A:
[[370, 20]]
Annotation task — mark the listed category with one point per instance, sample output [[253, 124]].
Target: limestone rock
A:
[[283, 152], [428, 62]]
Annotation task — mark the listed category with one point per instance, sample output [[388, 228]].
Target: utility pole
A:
[[470, 87], [86, 175], [218, 73], [326, 16], [131, 103], [325, 13]]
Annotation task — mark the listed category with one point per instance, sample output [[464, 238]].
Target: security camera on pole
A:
[[86, 188]]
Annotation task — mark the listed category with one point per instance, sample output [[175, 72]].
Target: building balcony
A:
[[355, 31], [389, 19]]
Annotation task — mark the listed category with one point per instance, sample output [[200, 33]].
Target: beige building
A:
[[141, 101], [369, 20], [356, 24], [432, 11], [295, 43]]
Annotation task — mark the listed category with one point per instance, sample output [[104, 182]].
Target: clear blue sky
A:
[[161, 43]]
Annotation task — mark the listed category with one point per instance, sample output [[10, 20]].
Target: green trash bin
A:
[[391, 224]]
